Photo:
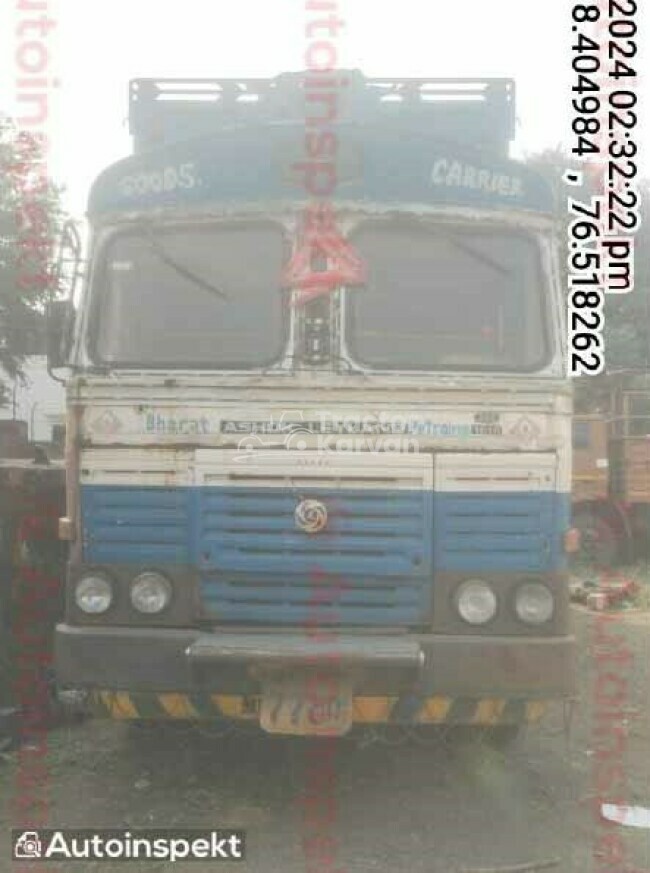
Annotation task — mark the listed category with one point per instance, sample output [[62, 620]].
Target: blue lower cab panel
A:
[[372, 565], [492, 532], [124, 525]]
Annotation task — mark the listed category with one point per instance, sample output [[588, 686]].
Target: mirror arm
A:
[[60, 313]]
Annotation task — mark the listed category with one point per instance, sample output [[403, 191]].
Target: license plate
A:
[[314, 704]]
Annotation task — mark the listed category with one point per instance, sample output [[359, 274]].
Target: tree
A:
[[30, 219]]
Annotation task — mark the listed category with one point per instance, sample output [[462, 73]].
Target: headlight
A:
[[150, 593], [534, 603], [476, 602], [93, 594]]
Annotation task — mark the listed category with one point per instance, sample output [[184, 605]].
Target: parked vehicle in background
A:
[[611, 474], [32, 574]]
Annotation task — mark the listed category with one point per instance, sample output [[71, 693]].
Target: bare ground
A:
[[444, 807]]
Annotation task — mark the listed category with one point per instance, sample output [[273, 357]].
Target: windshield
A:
[[447, 298], [196, 297]]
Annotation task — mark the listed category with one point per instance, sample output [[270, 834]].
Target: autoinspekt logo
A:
[[120, 845]]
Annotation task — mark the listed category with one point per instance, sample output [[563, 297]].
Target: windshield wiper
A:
[[181, 269], [477, 254]]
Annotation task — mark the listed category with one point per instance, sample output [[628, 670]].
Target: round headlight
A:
[[93, 594], [476, 602], [534, 603], [150, 593]]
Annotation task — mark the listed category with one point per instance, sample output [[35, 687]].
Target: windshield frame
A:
[[98, 287], [447, 225]]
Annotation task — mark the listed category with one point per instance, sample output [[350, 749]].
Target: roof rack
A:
[[162, 111]]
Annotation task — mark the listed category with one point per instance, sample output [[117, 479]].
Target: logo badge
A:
[[311, 516], [107, 424], [28, 847], [526, 430]]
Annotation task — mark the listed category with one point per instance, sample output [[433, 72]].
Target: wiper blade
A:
[[478, 255], [181, 269]]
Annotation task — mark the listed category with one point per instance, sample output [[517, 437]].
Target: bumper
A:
[[157, 673]]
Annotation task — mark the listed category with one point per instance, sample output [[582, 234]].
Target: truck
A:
[[319, 422], [611, 473]]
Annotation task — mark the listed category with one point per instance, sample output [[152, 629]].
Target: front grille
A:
[[372, 564]]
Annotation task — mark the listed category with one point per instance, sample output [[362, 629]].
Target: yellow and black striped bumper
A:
[[366, 710]]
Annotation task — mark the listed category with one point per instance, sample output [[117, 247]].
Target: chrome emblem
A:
[[310, 516]]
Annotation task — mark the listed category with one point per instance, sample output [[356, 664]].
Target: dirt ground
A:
[[444, 807]]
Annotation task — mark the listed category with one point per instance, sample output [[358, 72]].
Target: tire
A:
[[599, 541]]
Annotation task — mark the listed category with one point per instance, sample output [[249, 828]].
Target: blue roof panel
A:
[[267, 163]]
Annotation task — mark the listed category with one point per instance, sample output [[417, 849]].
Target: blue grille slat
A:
[[230, 503], [503, 504], [132, 532], [499, 542], [135, 553], [230, 523], [489, 524], [100, 496], [275, 591], [308, 616], [149, 515], [256, 540], [484, 562], [347, 565]]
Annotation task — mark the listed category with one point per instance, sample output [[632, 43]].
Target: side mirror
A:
[[59, 320]]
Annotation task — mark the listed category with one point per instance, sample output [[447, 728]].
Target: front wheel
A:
[[599, 540]]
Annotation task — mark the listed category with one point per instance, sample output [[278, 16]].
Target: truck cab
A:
[[319, 425]]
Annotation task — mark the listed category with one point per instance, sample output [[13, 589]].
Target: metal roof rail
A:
[[479, 111]]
